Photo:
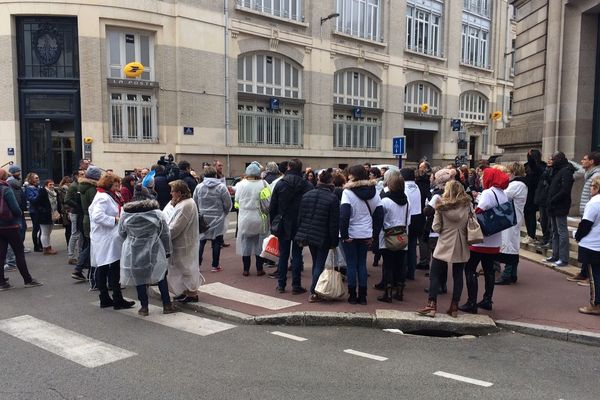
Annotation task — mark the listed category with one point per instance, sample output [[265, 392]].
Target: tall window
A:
[[475, 43], [133, 117], [355, 88], [258, 123], [288, 9], [356, 133], [473, 106], [360, 18], [423, 27], [479, 7], [418, 93], [125, 46]]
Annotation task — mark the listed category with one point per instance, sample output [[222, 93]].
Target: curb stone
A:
[[568, 335]]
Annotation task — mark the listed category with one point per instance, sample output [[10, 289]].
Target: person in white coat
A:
[[105, 242], [182, 217], [509, 252]]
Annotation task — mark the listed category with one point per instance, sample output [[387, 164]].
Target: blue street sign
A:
[[399, 145]]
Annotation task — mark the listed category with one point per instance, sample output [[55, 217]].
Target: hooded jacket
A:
[[285, 204], [541, 191], [361, 212], [87, 191], [559, 191], [534, 168], [147, 243], [11, 203], [214, 202], [319, 218]]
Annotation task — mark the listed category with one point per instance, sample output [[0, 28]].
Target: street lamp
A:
[[330, 16]]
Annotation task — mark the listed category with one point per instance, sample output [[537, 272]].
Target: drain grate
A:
[[434, 333]]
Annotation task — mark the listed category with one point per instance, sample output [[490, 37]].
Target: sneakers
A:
[[218, 268], [9, 268], [189, 299], [314, 298], [577, 278], [528, 240], [170, 308], [559, 264], [6, 286], [78, 276], [592, 309], [273, 275], [33, 283], [550, 259], [584, 283]]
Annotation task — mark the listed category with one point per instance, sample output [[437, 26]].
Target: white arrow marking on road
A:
[[365, 355], [288, 336], [71, 345], [463, 379]]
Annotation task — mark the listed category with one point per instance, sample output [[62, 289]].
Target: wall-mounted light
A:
[[330, 16]]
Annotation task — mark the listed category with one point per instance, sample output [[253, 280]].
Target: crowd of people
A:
[[155, 223]]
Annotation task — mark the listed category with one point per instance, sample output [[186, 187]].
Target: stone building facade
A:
[[555, 104], [330, 82]]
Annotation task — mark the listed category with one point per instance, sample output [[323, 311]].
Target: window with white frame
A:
[[424, 27], [418, 93], [125, 46], [269, 75], [356, 133], [479, 7], [356, 89], [259, 126], [473, 106], [287, 9], [360, 18], [475, 46], [133, 117]]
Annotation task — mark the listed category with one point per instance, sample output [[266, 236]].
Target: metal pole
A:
[[400, 161]]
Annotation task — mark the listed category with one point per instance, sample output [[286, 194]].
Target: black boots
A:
[[387, 295], [399, 292], [362, 295], [352, 295], [486, 304], [105, 300], [469, 307]]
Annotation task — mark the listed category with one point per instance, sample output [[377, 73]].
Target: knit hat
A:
[[94, 173], [443, 176], [141, 193], [253, 169], [13, 169]]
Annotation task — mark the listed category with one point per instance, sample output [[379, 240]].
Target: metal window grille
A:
[[259, 126], [473, 106], [423, 28], [418, 93], [355, 88], [356, 133], [360, 18], [133, 118], [269, 75], [287, 9]]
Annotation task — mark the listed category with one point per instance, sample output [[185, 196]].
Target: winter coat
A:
[[395, 206], [163, 190], [126, 194], [559, 192], [72, 199], [252, 224], [184, 272], [533, 174], [11, 202], [17, 189], [450, 222], [585, 193], [44, 208], [518, 192], [189, 180], [319, 218], [541, 191], [270, 177], [87, 191], [214, 202], [424, 184], [357, 220], [147, 243], [105, 242], [31, 194], [285, 204]]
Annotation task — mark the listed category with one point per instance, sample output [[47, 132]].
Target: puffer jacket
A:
[[559, 192], [285, 204], [319, 218], [87, 191], [585, 193]]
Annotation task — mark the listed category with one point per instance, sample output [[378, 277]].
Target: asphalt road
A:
[[250, 362]]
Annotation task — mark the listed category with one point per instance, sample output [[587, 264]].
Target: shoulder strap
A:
[[368, 207], [492, 189], [406, 217]]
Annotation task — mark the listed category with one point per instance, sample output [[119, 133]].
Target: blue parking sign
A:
[[399, 145]]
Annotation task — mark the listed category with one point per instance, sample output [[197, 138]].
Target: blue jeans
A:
[[411, 257], [284, 255], [163, 286], [217, 243], [356, 262], [319, 256]]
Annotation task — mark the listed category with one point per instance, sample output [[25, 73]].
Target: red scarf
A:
[[114, 196]]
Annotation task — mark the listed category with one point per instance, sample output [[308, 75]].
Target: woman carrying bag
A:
[[450, 222], [49, 208]]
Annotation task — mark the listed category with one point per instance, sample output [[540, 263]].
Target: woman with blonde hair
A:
[[450, 222]]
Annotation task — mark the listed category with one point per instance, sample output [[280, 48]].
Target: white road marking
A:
[[288, 336], [365, 355], [463, 379], [396, 331], [243, 296], [181, 321], [73, 346]]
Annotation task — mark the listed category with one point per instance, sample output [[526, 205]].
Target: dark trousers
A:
[[12, 237], [163, 287], [285, 248], [511, 262], [36, 232], [584, 270], [594, 273], [394, 267], [530, 217], [545, 225], [247, 260], [438, 274], [217, 244], [109, 275], [67, 233], [424, 251], [487, 262], [411, 256], [319, 256]]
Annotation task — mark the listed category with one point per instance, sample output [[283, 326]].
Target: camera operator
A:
[[166, 171]]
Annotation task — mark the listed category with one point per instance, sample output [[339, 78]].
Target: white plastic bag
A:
[[270, 248]]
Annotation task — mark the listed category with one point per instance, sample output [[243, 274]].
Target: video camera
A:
[[171, 168]]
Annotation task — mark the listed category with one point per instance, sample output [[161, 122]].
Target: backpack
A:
[[264, 199], [6, 214]]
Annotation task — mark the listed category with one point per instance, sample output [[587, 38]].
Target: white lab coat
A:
[[511, 237], [105, 242]]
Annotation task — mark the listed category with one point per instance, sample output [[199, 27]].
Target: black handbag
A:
[[498, 218], [202, 224]]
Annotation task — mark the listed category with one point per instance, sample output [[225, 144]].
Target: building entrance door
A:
[[51, 152]]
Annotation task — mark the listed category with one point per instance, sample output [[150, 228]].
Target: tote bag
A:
[[474, 233], [497, 219], [330, 285]]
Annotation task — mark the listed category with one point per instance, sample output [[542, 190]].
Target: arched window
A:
[[418, 93], [356, 89], [473, 106], [269, 75]]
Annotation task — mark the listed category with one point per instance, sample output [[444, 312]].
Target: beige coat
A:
[[451, 224]]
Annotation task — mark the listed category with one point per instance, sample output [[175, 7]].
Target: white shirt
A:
[[361, 219], [592, 213], [393, 215], [414, 197], [432, 203], [487, 200]]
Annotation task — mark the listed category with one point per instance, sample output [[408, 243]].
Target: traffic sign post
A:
[[399, 148]]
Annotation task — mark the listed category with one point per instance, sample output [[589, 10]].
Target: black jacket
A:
[[270, 177], [189, 180], [541, 191], [424, 184], [533, 174], [559, 192], [319, 218], [163, 190], [44, 207], [285, 205]]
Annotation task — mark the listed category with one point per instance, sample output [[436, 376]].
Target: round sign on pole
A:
[[133, 69]]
